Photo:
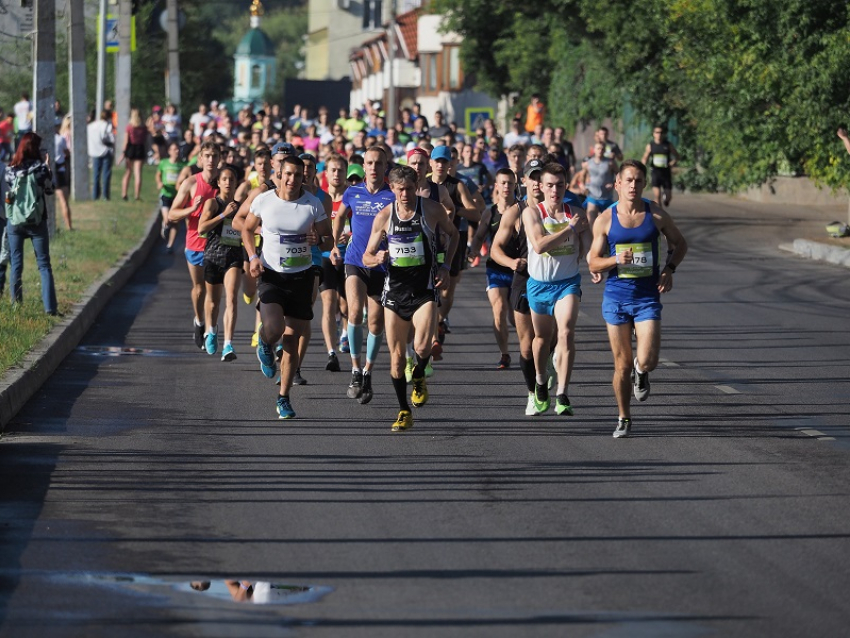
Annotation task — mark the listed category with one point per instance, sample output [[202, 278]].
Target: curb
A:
[[837, 255], [19, 384]]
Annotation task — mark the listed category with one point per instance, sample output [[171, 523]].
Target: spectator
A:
[[100, 137], [199, 120], [439, 128], [495, 159], [134, 154], [23, 116], [535, 113], [354, 124], [7, 133], [171, 120], [4, 240], [62, 158], [29, 181], [156, 128], [516, 136]]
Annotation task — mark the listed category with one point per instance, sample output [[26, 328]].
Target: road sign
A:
[[112, 45], [475, 116]]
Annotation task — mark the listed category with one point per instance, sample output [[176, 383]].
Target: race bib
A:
[[660, 160], [229, 236], [406, 251], [295, 251], [553, 227], [642, 264], [171, 177]]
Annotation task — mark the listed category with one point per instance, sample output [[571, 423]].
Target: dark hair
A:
[[402, 174], [378, 149], [29, 148], [358, 159], [553, 168], [292, 159], [209, 145], [230, 167], [517, 147], [262, 152], [506, 172], [635, 164]]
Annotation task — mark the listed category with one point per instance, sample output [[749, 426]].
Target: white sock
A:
[[637, 368]]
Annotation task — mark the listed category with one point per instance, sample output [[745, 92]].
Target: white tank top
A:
[[560, 262], [285, 228]]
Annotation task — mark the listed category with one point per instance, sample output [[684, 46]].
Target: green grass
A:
[[103, 233]]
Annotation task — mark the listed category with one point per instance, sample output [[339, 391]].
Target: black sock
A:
[[400, 386], [419, 368], [528, 372]]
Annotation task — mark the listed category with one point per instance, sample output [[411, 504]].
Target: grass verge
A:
[[103, 233]]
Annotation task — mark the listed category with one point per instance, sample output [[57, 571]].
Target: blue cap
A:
[[283, 148], [308, 156], [441, 153]]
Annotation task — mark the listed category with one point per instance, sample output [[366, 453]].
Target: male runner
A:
[[188, 204], [598, 175], [558, 238], [625, 245], [292, 221], [363, 285], [404, 236], [663, 156], [167, 172]]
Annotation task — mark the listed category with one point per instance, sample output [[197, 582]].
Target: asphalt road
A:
[[726, 514]]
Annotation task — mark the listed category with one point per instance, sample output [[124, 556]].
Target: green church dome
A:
[[256, 44]]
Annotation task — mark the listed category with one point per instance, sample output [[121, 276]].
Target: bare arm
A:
[[540, 241], [446, 201], [245, 207], [481, 232], [443, 224], [674, 156], [338, 228], [503, 235], [183, 204], [598, 259], [844, 138], [675, 241], [470, 210], [646, 154], [372, 256]]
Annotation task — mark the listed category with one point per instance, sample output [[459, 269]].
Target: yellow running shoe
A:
[[419, 396], [247, 299], [403, 422], [255, 339], [408, 369]]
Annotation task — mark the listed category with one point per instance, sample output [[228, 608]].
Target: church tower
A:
[[256, 70]]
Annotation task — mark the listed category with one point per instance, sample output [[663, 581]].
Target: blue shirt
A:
[[364, 207]]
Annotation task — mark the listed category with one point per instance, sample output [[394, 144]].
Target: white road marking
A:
[[826, 438], [810, 432], [727, 389], [669, 364]]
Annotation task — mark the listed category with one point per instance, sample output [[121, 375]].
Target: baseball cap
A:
[[283, 148], [532, 166], [308, 156], [355, 169], [441, 153], [416, 151]]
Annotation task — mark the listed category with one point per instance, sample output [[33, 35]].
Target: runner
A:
[[166, 176], [598, 175], [191, 196], [664, 157], [363, 285], [404, 236], [499, 277], [292, 221], [332, 288], [558, 238], [222, 262], [625, 245]]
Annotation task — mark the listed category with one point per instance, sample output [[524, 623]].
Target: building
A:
[[255, 74], [427, 70]]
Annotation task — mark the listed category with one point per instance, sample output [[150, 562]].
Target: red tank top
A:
[[205, 191]]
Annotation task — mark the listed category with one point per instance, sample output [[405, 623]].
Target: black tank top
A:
[[659, 155], [412, 246], [492, 229]]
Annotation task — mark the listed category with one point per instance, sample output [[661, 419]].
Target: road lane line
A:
[[669, 364], [810, 432]]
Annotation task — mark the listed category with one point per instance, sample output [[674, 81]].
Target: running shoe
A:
[[211, 342], [199, 335], [403, 422], [247, 299], [562, 405], [343, 344], [442, 331], [356, 385], [284, 408], [408, 369], [227, 354], [541, 398], [419, 396], [429, 370], [475, 262], [530, 408], [436, 351], [163, 231], [268, 365], [484, 249], [278, 352], [641, 383], [255, 339], [297, 379], [365, 390], [333, 363], [504, 362], [624, 428]]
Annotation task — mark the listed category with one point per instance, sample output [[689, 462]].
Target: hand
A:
[[441, 279], [521, 265], [256, 268], [231, 208], [312, 236], [579, 225], [197, 201], [382, 256], [336, 258], [596, 277], [665, 281], [626, 257]]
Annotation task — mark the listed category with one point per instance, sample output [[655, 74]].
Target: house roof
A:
[[256, 44], [406, 27]]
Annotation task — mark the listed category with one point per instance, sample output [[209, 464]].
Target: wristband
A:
[[671, 266], [617, 259], [222, 216], [252, 258], [445, 266]]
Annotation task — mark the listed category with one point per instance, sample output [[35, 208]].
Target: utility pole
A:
[[101, 59], [392, 115], [77, 76], [123, 71], [172, 84], [44, 79]]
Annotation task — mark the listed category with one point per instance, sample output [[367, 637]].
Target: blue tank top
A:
[[315, 251], [364, 206], [628, 282]]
